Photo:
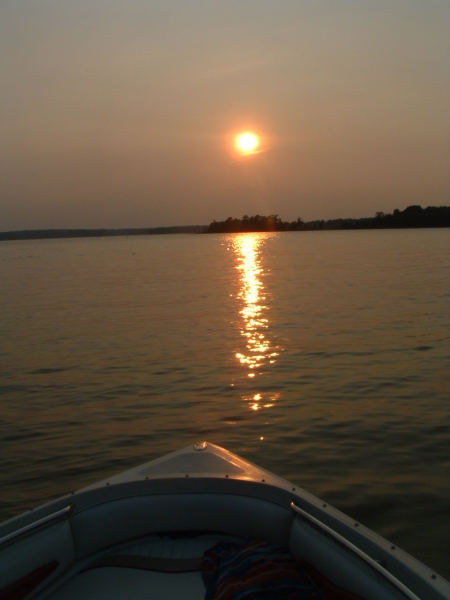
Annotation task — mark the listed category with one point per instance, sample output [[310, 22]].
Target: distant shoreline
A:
[[413, 217], [48, 234]]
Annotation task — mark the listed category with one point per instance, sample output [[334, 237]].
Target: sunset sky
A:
[[124, 114]]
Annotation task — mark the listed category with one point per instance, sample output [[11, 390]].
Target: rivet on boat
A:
[[187, 475], [226, 476], [392, 547], [356, 524], [324, 505], [263, 480], [107, 483], [433, 576], [293, 489]]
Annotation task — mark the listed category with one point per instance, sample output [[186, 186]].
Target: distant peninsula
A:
[[411, 217], [45, 234]]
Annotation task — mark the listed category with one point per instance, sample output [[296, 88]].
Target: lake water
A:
[[321, 356]]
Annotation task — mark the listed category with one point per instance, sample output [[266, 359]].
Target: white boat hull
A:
[[178, 506]]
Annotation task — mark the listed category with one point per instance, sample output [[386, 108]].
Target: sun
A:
[[247, 142]]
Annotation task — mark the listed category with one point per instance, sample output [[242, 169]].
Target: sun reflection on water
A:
[[258, 353]]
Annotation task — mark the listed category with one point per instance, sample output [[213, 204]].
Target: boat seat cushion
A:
[[90, 581], [110, 583], [114, 522]]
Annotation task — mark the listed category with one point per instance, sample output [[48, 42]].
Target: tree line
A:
[[412, 217], [255, 223]]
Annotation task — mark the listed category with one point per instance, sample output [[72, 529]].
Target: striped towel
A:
[[255, 571]]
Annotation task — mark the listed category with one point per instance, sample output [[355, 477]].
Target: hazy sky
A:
[[121, 114]]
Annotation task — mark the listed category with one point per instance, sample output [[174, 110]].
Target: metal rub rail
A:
[[28, 529], [344, 542]]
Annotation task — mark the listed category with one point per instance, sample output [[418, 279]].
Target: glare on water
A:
[[258, 350]]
